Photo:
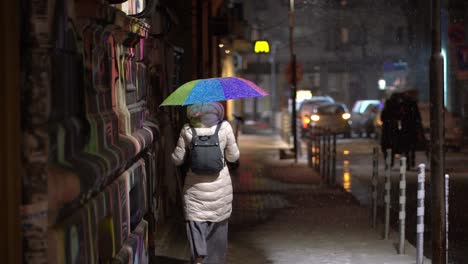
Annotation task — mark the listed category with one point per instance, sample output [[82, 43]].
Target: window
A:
[[331, 110]]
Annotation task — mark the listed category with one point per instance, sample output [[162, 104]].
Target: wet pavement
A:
[[283, 213], [360, 171], [273, 196]]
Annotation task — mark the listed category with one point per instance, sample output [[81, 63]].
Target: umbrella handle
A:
[[238, 118], [239, 121]]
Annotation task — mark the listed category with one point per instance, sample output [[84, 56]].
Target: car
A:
[[307, 107], [362, 117], [453, 130], [332, 116]]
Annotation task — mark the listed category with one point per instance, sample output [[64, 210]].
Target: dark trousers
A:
[[208, 240]]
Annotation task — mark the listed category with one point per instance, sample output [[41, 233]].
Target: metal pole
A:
[[294, 114], [309, 153], [329, 154], [325, 155], [317, 149], [322, 151], [437, 139], [273, 86], [334, 160], [402, 215], [375, 175], [387, 192], [293, 77], [447, 178], [257, 80], [420, 215]]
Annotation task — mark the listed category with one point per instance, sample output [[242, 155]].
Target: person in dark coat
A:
[[390, 125], [412, 130], [401, 125]]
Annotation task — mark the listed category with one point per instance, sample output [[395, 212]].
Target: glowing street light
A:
[[382, 84], [261, 46]]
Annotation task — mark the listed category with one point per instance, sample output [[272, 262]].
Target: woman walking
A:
[[207, 197]]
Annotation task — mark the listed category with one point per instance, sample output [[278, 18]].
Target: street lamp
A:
[[273, 82]]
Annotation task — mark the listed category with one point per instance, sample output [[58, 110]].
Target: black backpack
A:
[[205, 155]]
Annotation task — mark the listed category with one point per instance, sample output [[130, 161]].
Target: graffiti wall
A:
[[93, 80]]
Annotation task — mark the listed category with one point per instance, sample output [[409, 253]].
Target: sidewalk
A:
[[282, 213]]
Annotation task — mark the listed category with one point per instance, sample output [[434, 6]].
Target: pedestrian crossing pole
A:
[[387, 192], [420, 215], [402, 214]]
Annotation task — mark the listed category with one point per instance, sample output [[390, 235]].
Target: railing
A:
[[321, 152], [321, 156]]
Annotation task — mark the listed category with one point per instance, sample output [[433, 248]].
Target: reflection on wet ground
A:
[[346, 176], [359, 166], [284, 213], [259, 192], [262, 191], [251, 209]]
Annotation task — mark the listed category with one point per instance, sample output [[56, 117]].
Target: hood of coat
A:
[[205, 114]]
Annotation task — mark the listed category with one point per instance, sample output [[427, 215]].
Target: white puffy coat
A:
[[207, 197]]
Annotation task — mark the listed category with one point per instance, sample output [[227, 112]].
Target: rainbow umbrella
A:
[[213, 90]]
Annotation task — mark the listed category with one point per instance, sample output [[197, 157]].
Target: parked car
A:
[[453, 130], [363, 115], [307, 108], [333, 116]]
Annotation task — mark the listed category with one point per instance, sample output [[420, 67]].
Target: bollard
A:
[[420, 215], [375, 175], [402, 214], [325, 154], [322, 152], [313, 149], [317, 150], [329, 156], [387, 193], [309, 153], [334, 160], [447, 177]]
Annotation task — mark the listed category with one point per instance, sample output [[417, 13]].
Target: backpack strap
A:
[[194, 133], [217, 127]]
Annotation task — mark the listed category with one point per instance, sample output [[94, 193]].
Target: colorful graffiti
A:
[[89, 145], [96, 232]]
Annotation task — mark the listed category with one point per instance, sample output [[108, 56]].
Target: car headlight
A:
[[315, 118], [346, 116]]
